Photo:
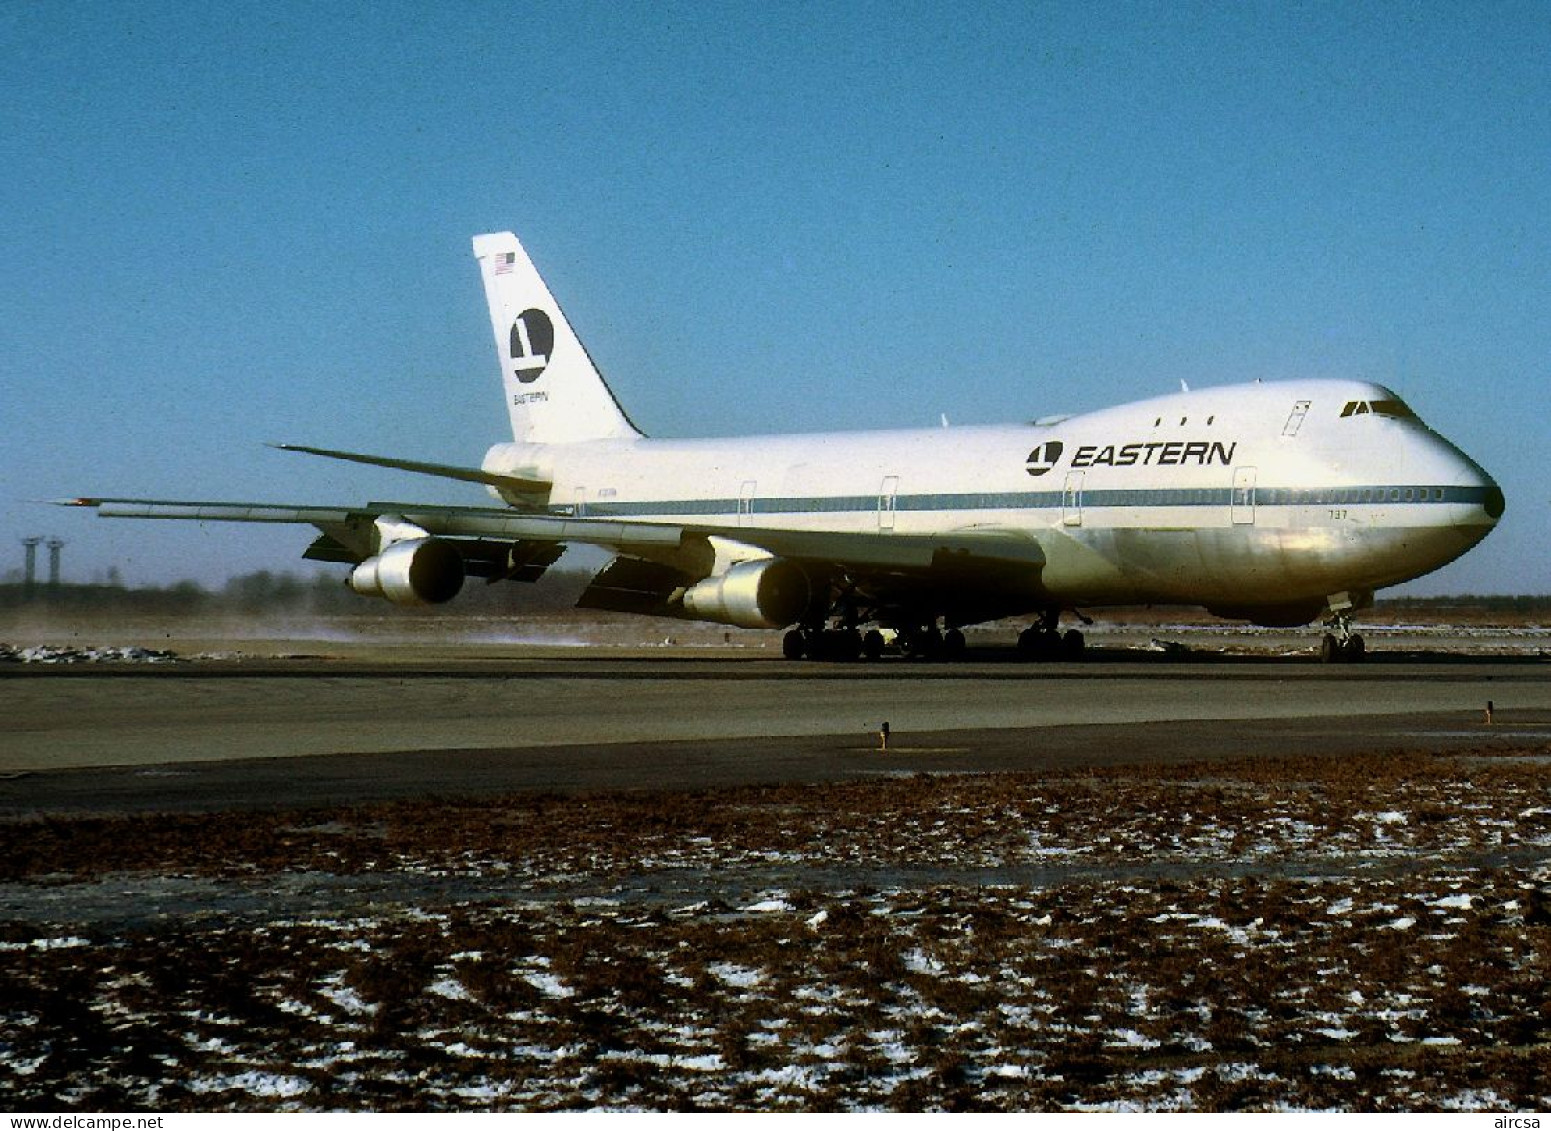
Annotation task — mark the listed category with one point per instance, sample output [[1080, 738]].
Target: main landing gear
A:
[[925, 642], [1046, 641], [1341, 645], [840, 641], [825, 643]]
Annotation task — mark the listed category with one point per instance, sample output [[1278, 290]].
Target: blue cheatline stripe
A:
[[1048, 500]]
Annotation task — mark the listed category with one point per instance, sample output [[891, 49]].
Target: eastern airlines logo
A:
[[533, 340], [1148, 453], [1044, 457], [1155, 453]]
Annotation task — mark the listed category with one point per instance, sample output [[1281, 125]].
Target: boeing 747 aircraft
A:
[[1275, 503]]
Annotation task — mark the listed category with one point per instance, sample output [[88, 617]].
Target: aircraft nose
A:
[[1475, 500], [1492, 500], [1482, 491]]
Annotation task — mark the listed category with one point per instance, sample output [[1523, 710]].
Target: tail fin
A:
[[553, 391]]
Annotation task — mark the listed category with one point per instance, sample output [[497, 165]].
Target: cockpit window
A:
[[1395, 408]]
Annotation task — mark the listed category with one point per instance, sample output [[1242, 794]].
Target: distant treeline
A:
[[1522, 605], [325, 594]]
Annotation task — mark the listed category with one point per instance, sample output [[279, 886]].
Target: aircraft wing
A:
[[349, 532], [865, 549], [1000, 565]]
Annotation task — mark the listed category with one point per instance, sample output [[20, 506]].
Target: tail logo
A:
[[1044, 457], [533, 340]]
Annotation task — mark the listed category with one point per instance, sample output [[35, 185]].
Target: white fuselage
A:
[[1236, 498]]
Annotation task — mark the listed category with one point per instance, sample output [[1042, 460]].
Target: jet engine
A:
[[420, 571], [768, 593]]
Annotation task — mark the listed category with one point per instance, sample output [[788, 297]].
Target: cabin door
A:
[[1071, 500], [1244, 497], [746, 502], [1295, 418], [888, 503]]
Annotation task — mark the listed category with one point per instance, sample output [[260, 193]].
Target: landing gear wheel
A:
[[921, 643], [1334, 650], [1032, 644], [827, 644], [872, 644], [1341, 645], [794, 645], [843, 644], [932, 643], [1329, 649], [1045, 641]]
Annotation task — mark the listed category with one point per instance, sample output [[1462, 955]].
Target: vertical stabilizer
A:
[[553, 391]]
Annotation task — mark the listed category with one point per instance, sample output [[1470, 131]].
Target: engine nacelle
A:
[[420, 571], [768, 593]]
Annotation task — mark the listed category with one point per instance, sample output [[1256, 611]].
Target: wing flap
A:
[[327, 548], [508, 561], [631, 585], [869, 550]]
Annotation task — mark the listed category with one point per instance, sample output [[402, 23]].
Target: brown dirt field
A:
[[1288, 933]]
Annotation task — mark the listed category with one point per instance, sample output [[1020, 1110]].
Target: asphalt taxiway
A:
[[219, 734]]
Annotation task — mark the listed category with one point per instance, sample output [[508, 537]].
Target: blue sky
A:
[[233, 224]]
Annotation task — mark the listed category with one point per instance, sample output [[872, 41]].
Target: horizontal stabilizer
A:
[[193, 511], [511, 483]]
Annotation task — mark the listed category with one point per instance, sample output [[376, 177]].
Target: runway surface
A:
[[214, 735], [1314, 914]]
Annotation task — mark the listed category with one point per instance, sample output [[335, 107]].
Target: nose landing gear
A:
[[1341, 645]]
